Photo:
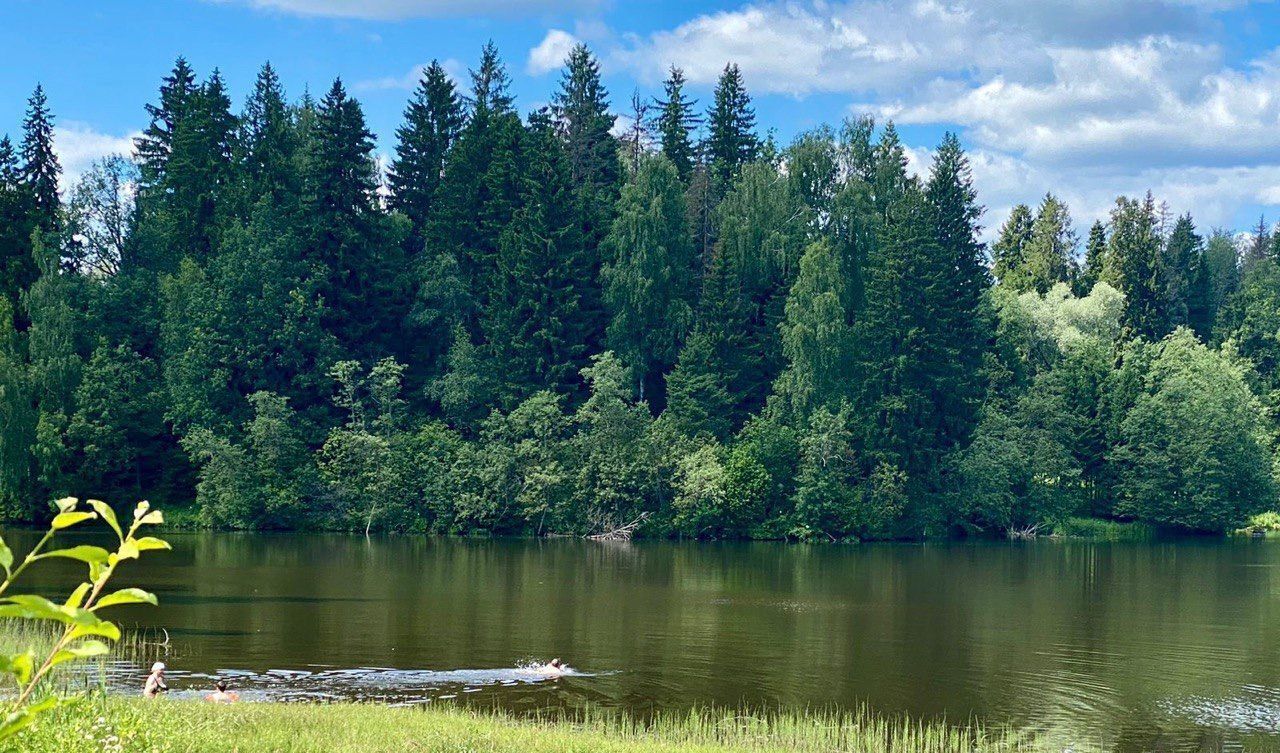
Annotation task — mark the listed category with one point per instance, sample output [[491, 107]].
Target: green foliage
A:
[[263, 478], [1098, 529], [736, 340], [1133, 267], [731, 122], [817, 339], [136, 724], [649, 278], [1193, 450], [675, 124], [81, 633]]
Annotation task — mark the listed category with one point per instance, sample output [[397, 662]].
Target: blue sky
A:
[[1085, 99]]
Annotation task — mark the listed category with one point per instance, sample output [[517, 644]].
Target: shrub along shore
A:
[[111, 723]]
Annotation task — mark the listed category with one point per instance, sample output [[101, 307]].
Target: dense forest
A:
[[571, 321]]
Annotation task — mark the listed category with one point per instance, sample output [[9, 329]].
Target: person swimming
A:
[[155, 681], [555, 667], [220, 694]]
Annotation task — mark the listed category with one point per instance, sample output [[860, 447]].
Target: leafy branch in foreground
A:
[[83, 633]]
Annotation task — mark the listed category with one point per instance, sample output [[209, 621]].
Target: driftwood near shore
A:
[[621, 533]]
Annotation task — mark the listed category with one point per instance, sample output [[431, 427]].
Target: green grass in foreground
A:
[[109, 724]]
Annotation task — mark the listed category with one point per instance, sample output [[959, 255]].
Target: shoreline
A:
[[111, 723]]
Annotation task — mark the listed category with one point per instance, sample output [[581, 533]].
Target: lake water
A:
[[1164, 646]]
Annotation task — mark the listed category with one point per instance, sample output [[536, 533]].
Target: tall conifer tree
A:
[[676, 122], [40, 168], [732, 141], [431, 124], [269, 142]]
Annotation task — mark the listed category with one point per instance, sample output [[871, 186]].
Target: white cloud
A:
[[78, 146], [395, 10], [1088, 99], [550, 53], [1154, 102]]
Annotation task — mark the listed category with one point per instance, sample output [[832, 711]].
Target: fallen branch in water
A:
[[622, 533], [1030, 532]]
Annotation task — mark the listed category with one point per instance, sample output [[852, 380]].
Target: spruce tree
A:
[[963, 275], [156, 142], [199, 174], [17, 266], [676, 122], [1259, 244], [535, 323], [1095, 252], [889, 178], [346, 240], [490, 85], [732, 140], [1181, 261], [474, 200], [1133, 267], [40, 168], [1008, 253], [698, 398], [432, 122], [1049, 254], [269, 142], [581, 111]]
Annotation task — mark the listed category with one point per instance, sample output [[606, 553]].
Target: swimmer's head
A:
[[221, 685], [157, 667], [557, 663]]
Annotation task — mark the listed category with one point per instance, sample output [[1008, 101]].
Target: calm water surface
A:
[[1166, 646]]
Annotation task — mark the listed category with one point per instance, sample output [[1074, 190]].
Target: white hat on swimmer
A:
[[157, 667]]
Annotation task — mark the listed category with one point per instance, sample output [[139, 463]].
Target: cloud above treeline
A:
[[78, 146], [1083, 98]]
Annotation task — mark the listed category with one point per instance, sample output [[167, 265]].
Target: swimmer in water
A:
[[155, 681], [220, 694], [555, 667]]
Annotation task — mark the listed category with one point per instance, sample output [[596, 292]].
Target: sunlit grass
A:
[[112, 723]]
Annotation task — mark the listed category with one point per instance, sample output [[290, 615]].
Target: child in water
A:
[[554, 667], [220, 694], [155, 681]]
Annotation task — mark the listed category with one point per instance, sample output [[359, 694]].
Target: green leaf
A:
[[77, 596], [19, 665], [85, 650], [67, 519], [153, 518], [141, 509], [6, 557], [126, 596], [32, 607], [147, 543], [127, 551], [108, 515], [102, 629], [85, 553], [67, 504]]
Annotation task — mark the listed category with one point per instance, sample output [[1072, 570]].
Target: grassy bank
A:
[[107, 724]]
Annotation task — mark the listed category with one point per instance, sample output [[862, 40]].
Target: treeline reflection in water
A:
[[1164, 646]]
